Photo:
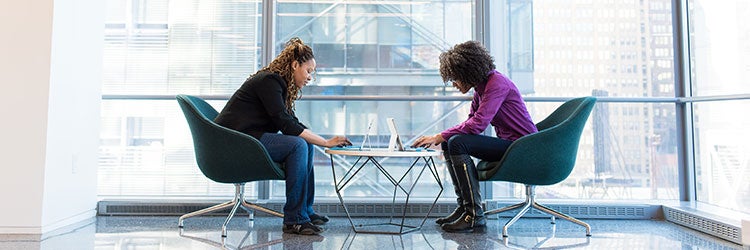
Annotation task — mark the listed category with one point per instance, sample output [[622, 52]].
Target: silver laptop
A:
[[365, 140], [395, 143], [367, 136]]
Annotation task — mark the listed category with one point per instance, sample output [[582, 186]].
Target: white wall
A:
[[24, 77], [50, 112], [74, 113]]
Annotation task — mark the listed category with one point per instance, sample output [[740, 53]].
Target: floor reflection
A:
[[551, 241], [414, 240], [265, 233], [260, 239]]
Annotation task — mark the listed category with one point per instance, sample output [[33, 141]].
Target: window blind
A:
[[159, 47]]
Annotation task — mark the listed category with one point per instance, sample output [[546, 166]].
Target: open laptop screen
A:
[[395, 143], [367, 135]]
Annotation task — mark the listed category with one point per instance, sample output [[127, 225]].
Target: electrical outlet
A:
[[74, 164]]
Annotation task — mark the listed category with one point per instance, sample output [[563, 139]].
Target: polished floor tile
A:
[[265, 233]]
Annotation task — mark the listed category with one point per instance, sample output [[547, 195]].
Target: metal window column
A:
[[684, 110], [268, 17]]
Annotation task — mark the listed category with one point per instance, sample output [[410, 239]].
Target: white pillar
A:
[[50, 76]]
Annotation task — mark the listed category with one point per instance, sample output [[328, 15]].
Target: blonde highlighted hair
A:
[[295, 50]]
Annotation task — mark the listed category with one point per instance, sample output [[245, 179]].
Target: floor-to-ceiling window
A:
[[382, 48], [719, 50], [610, 49], [619, 50], [162, 47], [208, 47]]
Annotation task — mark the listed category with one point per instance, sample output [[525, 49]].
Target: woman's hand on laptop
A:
[[428, 141], [338, 141]]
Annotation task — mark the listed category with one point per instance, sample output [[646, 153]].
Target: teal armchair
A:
[[543, 158], [227, 156]]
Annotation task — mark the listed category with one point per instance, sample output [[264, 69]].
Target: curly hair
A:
[[468, 63], [295, 50]]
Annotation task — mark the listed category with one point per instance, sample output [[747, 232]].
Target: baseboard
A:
[[82, 217], [37, 233], [32, 232]]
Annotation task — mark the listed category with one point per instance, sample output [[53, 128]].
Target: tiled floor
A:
[[265, 233]]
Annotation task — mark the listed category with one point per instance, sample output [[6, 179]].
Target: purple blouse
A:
[[497, 102]]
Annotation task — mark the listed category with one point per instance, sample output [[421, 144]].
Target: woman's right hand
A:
[[428, 141], [338, 141]]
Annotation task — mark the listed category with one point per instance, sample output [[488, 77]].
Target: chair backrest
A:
[[222, 154], [548, 156]]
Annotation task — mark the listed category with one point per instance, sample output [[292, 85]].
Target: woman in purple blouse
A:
[[497, 101]]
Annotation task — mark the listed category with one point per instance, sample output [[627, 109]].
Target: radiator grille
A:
[[154, 209], [700, 223], [330, 209], [589, 211], [364, 209]]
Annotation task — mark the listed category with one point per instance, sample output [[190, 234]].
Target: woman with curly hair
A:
[[264, 106], [497, 101]]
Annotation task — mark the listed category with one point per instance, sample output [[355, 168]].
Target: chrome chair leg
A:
[[523, 211], [506, 208], [563, 216], [529, 203], [530, 191], [226, 221], [250, 212], [252, 207], [237, 202], [218, 207], [256, 207]]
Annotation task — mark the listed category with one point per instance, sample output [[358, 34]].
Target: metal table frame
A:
[[370, 156]]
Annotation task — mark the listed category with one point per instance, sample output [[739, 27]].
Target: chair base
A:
[[527, 205], [237, 202]]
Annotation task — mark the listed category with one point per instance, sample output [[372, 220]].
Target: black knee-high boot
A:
[[468, 185], [459, 208]]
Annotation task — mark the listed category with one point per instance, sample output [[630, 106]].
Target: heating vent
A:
[[364, 209], [703, 224], [331, 209], [587, 211], [155, 208], [380, 209]]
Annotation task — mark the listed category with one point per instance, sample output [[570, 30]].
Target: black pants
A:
[[483, 147]]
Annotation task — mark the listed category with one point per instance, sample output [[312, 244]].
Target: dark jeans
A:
[[297, 156], [483, 147]]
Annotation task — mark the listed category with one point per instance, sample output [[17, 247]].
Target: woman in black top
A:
[[263, 106]]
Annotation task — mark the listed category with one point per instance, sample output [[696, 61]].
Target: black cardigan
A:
[[258, 107]]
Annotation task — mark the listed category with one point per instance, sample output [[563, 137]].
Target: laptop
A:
[[395, 143], [361, 146]]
